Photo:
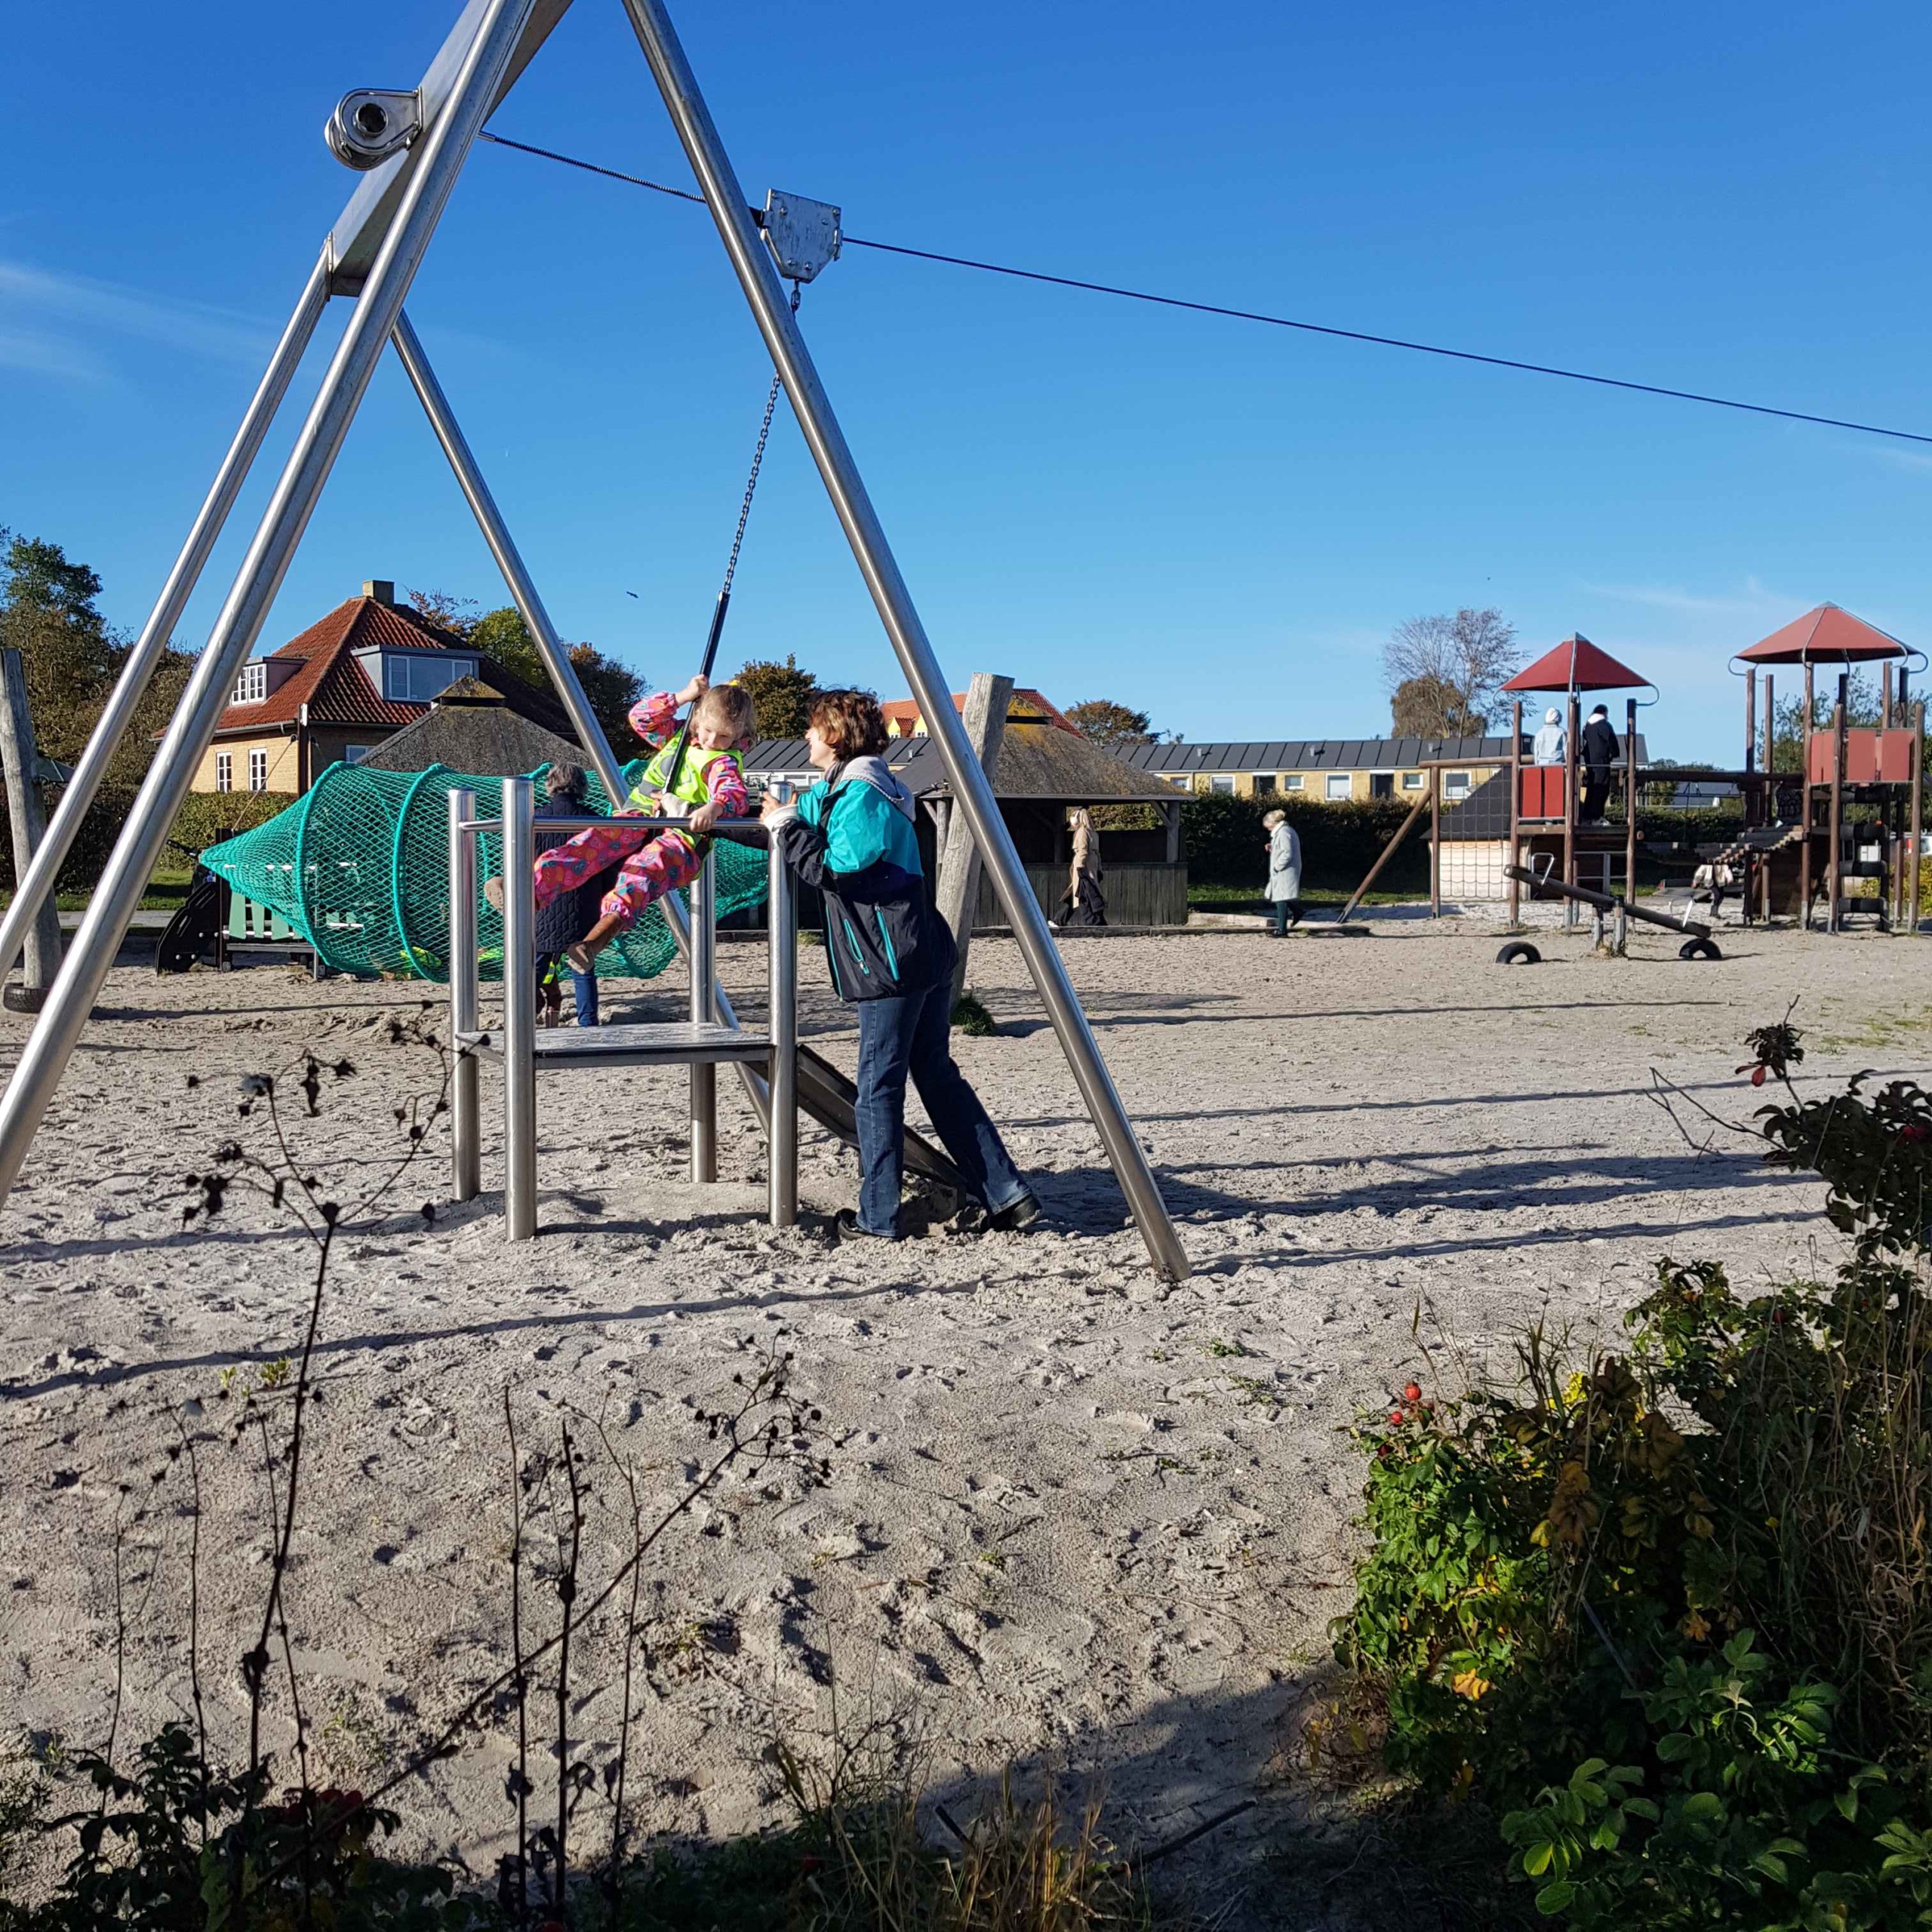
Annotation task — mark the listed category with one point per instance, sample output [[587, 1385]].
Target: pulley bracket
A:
[[802, 235]]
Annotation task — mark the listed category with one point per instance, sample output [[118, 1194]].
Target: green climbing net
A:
[[359, 867]]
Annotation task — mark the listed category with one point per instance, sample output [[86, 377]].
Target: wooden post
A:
[[1918, 808], [1436, 841], [21, 757], [1804, 814], [987, 698], [1516, 809], [1172, 813], [1630, 801], [1770, 794], [1387, 853], [1885, 698], [1750, 717], [1569, 804], [1835, 865]]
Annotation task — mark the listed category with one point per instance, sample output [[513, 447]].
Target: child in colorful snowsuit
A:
[[710, 786]]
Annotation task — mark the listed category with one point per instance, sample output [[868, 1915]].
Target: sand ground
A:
[[1074, 1514]]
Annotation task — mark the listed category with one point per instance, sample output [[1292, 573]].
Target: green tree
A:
[[1108, 724], [72, 658], [1426, 707], [783, 694], [502, 636]]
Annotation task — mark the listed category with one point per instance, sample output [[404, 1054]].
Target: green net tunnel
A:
[[359, 867]]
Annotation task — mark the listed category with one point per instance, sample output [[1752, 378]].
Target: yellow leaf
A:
[[1467, 1684]]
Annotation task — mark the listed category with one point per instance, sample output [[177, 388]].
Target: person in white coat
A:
[[1552, 742], [1283, 871]]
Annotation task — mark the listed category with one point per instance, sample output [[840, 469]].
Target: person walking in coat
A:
[[853, 837], [570, 915], [1083, 903], [1598, 749], [1283, 871]]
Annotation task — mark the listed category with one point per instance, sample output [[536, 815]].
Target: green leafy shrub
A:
[[1226, 846], [1669, 1614]]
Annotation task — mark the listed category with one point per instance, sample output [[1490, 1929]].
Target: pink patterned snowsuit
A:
[[654, 863]]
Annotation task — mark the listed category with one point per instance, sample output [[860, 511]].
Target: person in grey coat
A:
[[1283, 871]]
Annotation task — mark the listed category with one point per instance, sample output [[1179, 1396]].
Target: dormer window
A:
[[415, 677], [252, 687]]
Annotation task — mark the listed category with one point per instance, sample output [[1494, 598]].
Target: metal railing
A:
[[700, 1045]]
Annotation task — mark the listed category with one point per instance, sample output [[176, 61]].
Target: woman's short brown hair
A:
[[851, 722]]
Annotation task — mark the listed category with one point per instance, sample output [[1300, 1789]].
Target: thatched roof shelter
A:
[[1043, 763], [474, 728]]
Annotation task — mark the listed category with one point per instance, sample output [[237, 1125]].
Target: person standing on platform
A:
[[1599, 750], [1552, 746]]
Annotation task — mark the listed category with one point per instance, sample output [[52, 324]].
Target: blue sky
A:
[[1213, 520]]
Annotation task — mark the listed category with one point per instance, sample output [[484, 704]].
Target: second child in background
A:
[[710, 785]]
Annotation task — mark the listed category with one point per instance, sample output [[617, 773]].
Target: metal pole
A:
[[1804, 814], [1912, 895], [1834, 864], [19, 761], [1516, 810], [704, 1074], [36, 883], [537, 619], [519, 1009], [442, 151], [466, 1107], [758, 277], [1750, 717], [1629, 801], [1770, 795], [782, 1146]]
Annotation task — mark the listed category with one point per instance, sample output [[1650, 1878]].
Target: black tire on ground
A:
[[1519, 952], [1698, 948]]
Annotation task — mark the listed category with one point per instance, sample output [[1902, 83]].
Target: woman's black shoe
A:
[[845, 1227], [1016, 1215]]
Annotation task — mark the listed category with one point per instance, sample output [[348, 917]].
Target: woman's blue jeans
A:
[[913, 1035]]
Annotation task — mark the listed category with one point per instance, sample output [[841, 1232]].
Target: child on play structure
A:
[[710, 786]]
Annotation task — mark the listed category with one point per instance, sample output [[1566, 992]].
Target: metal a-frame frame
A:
[[371, 255]]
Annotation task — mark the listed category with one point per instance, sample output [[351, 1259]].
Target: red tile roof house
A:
[[336, 692]]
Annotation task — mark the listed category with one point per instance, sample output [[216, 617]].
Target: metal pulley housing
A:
[[802, 235], [372, 124]]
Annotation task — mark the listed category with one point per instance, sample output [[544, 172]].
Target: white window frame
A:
[[1346, 780], [399, 668], [252, 686], [1291, 782], [1222, 782], [224, 771], [356, 754], [258, 770], [1456, 785], [1412, 781]]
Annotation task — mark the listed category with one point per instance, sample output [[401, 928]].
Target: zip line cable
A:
[[1258, 315]]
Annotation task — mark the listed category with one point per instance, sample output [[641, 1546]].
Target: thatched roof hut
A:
[[474, 728]]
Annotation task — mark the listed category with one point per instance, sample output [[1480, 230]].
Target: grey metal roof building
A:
[[1040, 762], [1173, 761]]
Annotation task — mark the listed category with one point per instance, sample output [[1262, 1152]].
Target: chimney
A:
[[381, 588]]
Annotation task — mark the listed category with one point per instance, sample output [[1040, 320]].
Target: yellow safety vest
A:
[[690, 788]]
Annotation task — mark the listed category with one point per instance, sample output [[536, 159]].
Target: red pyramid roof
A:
[[1826, 635], [1575, 665]]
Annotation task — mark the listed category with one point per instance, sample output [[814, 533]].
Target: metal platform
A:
[[675, 1043]]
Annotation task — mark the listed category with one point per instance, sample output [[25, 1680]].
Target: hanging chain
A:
[[758, 460]]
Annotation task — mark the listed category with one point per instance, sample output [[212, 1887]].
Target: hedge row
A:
[[204, 818], [1226, 846]]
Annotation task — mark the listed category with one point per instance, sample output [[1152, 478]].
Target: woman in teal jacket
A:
[[853, 836]]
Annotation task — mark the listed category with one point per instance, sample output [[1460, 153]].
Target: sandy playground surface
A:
[[1075, 1516]]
